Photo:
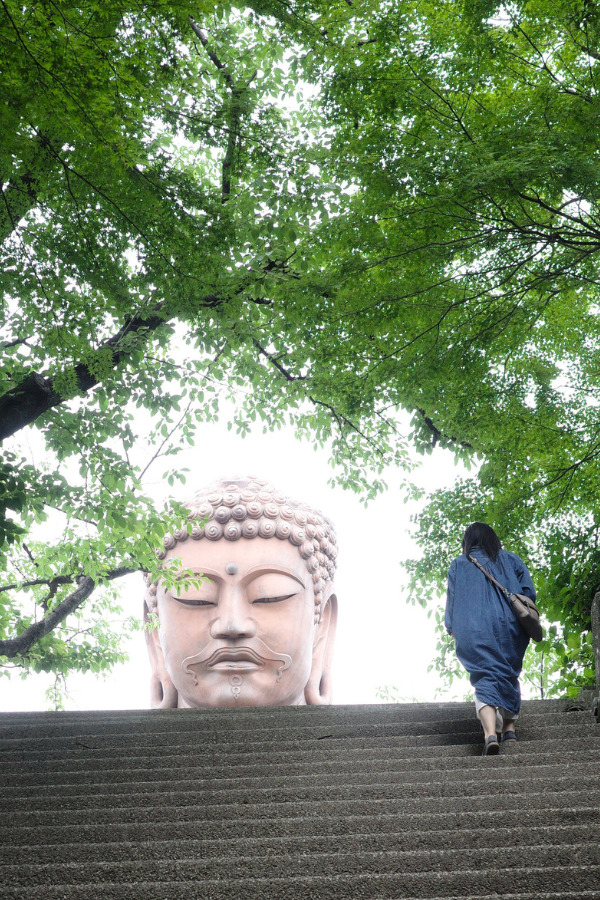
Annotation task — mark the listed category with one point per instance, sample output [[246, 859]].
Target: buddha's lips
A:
[[242, 654], [214, 653]]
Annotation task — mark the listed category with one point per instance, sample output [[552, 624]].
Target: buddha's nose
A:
[[233, 620]]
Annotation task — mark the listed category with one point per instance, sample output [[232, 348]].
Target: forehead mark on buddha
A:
[[248, 507]]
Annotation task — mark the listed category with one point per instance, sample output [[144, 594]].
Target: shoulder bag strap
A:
[[491, 578]]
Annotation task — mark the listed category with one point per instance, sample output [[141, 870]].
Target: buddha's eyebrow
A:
[[267, 568]]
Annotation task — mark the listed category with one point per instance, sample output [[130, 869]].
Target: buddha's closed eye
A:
[[188, 601], [274, 599]]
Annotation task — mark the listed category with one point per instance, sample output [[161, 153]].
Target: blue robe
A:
[[490, 643]]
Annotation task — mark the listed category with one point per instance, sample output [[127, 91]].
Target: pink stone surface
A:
[[259, 628]]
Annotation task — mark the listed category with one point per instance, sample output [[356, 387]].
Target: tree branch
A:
[[20, 193], [593, 53], [52, 583], [235, 111], [345, 423], [166, 440], [35, 395], [273, 360], [203, 36], [439, 435], [20, 645]]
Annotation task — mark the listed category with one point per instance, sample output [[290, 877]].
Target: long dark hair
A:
[[481, 535]]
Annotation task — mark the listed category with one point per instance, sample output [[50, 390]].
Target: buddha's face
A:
[[247, 635]]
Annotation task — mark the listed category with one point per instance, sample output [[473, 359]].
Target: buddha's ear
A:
[[163, 693], [318, 690]]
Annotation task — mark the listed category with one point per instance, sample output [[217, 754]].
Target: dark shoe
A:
[[508, 736], [491, 746]]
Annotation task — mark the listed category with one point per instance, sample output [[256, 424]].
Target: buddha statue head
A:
[[256, 627]]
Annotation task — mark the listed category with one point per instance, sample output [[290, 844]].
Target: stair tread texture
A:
[[339, 803]]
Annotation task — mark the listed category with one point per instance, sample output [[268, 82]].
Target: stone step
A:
[[122, 773], [173, 892], [253, 741], [167, 756], [448, 821], [302, 788], [105, 893], [332, 865], [267, 715], [185, 721], [290, 807], [553, 895], [364, 885], [182, 847]]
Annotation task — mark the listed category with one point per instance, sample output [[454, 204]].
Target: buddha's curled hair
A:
[[247, 507]]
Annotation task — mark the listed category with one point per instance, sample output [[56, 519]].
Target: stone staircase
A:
[[386, 801]]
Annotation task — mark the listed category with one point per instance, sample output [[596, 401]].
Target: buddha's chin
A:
[[239, 688]]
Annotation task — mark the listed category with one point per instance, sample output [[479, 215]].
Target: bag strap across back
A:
[[504, 590]]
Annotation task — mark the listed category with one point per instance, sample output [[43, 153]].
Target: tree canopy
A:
[[335, 211]]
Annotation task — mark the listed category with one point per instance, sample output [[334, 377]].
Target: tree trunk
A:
[[596, 636]]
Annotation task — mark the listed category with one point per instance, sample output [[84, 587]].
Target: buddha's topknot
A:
[[247, 507]]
